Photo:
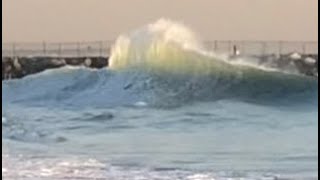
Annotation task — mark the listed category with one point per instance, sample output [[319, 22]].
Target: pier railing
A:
[[102, 48], [263, 47], [65, 49]]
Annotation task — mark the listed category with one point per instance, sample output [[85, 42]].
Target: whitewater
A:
[[165, 109]]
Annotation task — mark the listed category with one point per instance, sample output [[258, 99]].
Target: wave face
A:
[[107, 88]]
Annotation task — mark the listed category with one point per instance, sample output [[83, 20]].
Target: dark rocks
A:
[[99, 62], [19, 67], [306, 64], [13, 68]]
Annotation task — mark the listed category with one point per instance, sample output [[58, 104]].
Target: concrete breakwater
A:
[[13, 68]]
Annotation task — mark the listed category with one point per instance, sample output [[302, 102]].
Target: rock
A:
[[75, 61], [295, 56], [99, 62], [87, 62], [16, 64], [309, 61], [22, 66], [7, 66], [58, 62]]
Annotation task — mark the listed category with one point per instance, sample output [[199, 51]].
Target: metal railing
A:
[[66, 49], [263, 47], [102, 48]]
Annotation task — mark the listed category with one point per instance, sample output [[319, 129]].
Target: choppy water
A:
[[200, 118]]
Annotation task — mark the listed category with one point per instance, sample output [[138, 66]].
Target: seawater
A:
[[164, 109]]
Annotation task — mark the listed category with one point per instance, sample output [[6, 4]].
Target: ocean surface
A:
[[165, 109]]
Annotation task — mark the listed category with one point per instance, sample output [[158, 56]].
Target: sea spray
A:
[[170, 47], [162, 46]]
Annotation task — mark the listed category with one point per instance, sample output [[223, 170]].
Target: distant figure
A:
[[235, 51]]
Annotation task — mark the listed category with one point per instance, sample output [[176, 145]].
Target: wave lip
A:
[[166, 46], [162, 45]]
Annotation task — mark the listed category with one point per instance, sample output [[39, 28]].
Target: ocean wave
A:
[[164, 65], [109, 88]]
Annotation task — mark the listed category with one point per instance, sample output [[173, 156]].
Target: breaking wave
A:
[[162, 64]]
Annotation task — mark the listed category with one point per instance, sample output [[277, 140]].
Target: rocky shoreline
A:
[[15, 68], [306, 64]]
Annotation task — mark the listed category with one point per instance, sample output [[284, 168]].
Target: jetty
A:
[[22, 59]]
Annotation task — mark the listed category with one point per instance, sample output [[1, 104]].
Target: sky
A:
[[91, 20]]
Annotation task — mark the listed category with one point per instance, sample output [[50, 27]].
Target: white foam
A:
[[4, 120], [149, 43], [141, 104], [173, 47]]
